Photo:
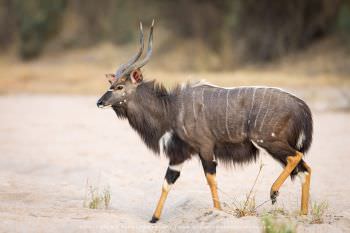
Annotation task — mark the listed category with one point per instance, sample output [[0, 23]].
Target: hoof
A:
[[273, 196], [154, 219]]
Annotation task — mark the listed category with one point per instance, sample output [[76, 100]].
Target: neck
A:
[[149, 113]]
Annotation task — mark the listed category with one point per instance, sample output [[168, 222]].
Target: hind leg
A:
[[305, 189], [292, 162], [285, 154]]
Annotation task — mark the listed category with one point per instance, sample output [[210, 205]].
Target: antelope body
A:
[[228, 125]]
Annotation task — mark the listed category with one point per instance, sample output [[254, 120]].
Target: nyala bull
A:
[[229, 125]]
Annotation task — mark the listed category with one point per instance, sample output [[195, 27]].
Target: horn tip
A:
[[152, 23]]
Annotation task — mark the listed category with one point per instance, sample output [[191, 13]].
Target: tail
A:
[[304, 129], [304, 139]]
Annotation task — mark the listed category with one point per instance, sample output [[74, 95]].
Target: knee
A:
[[171, 175]]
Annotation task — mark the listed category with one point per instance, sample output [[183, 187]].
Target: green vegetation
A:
[[272, 224], [318, 211], [248, 206]]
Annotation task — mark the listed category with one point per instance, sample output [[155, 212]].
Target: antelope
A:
[[217, 124]]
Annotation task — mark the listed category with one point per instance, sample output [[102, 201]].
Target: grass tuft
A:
[[95, 199], [248, 206], [318, 211]]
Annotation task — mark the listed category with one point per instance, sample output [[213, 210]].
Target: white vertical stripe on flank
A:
[[226, 124], [267, 110], [193, 105], [260, 106], [251, 108]]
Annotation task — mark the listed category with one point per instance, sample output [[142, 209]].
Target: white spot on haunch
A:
[[300, 140], [273, 134]]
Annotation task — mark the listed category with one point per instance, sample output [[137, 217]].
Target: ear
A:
[[111, 78], [136, 76]]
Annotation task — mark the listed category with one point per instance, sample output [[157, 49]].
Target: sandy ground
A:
[[51, 145]]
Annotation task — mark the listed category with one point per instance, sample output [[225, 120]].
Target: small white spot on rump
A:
[[273, 134]]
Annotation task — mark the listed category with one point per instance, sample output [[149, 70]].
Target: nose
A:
[[100, 103]]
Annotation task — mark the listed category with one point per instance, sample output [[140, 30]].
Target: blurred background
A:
[[66, 46]]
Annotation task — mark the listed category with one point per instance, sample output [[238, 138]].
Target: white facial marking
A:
[[124, 101], [107, 106], [273, 134], [123, 94], [120, 102], [177, 167]]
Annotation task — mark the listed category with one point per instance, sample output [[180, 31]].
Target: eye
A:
[[118, 88]]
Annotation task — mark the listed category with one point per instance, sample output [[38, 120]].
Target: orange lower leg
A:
[[211, 179], [160, 205], [305, 191]]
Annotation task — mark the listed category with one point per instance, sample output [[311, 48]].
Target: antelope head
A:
[[127, 77]]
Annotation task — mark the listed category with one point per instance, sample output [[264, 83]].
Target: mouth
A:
[[105, 106]]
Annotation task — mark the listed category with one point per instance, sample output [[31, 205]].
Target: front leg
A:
[[210, 173], [172, 173]]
